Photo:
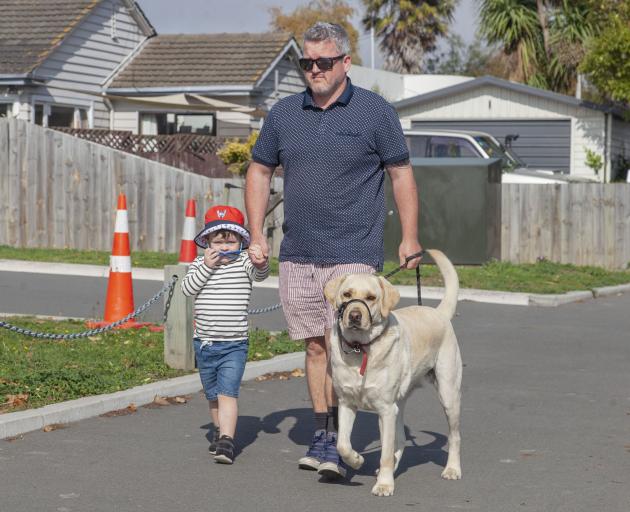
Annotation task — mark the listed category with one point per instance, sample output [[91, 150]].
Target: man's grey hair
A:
[[322, 31]]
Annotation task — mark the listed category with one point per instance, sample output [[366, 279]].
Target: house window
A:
[[61, 116], [168, 124], [38, 117], [195, 123]]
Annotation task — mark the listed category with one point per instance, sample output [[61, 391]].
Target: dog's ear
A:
[[330, 290], [390, 296]]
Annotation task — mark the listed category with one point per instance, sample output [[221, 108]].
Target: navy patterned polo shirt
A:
[[333, 162]]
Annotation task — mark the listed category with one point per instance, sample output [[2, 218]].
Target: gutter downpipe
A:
[[110, 107]]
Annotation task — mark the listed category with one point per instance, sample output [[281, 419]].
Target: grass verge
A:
[[541, 277], [36, 372]]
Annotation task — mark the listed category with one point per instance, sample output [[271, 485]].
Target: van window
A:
[[417, 145], [450, 147]]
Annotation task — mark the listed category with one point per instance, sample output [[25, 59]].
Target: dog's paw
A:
[[380, 489], [452, 473], [354, 460]]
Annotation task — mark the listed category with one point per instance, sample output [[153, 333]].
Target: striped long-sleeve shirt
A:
[[222, 297]]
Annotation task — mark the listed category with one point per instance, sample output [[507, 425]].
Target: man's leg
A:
[[317, 376], [316, 365]]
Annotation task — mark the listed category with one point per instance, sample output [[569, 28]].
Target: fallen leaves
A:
[[161, 401], [54, 426], [298, 372], [130, 409], [14, 401]]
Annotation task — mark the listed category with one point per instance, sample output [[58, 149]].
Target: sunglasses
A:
[[323, 63]]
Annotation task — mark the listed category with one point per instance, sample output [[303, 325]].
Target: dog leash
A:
[[404, 265]]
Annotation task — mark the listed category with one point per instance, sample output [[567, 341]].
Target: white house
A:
[[56, 56], [554, 130], [234, 77], [100, 64]]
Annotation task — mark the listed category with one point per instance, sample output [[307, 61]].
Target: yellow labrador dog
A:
[[379, 356]]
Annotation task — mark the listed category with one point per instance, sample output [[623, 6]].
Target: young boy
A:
[[222, 279]]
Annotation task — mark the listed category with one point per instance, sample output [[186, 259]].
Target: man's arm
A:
[[406, 199], [257, 186]]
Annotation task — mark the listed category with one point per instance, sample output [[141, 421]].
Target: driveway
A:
[[545, 427]]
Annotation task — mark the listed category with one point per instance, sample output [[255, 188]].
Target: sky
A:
[[205, 16]]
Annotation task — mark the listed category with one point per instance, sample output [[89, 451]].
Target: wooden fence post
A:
[[178, 328]]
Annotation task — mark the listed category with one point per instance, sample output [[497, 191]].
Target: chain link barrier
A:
[[48, 336], [168, 288]]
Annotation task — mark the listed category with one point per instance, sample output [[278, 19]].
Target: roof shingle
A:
[[31, 29], [185, 60]]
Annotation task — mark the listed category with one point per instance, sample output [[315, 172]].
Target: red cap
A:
[[223, 217]]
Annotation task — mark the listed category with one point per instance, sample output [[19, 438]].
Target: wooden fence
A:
[[579, 223], [60, 191]]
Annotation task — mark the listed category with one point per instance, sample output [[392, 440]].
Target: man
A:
[[333, 141]]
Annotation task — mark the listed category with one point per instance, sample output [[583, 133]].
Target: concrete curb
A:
[[557, 300], [610, 290], [16, 423]]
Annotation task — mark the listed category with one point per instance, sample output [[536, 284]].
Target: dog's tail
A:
[[451, 282]]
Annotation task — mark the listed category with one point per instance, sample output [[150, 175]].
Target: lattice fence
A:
[[191, 152]]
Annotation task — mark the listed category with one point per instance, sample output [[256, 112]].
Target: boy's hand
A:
[[257, 256], [210, 257]]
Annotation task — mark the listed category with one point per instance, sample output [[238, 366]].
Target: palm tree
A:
[[543, 40], [407, 29]]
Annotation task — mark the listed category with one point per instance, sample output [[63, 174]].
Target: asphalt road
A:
[[545, 428], [84, 297]]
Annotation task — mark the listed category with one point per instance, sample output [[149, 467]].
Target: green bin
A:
[[460, 209]]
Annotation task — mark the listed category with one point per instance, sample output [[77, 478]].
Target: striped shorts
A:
[[306, 310]]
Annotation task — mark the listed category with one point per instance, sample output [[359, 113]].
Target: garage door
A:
[[541, 143]]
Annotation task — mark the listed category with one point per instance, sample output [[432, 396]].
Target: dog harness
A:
[[355, 347]]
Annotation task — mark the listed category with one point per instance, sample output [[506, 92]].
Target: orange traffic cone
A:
[[119, 302], [188, 248]]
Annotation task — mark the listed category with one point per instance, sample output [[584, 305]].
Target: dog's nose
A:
[[354, 316]]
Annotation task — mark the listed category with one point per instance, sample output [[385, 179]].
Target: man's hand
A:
[[259, 254], [407, 248], [210, 257], [258, 250]]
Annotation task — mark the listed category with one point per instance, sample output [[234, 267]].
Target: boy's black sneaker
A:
[[213, 444], [225, 450]]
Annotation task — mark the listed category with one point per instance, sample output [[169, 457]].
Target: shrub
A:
[[237, 154]]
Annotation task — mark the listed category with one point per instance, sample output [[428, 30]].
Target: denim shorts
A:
[[221, 365]]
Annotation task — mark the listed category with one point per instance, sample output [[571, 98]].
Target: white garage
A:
[[554, 130]]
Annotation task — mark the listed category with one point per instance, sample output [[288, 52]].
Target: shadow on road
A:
[[364, 434]]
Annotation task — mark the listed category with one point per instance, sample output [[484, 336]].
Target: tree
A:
[[331, 11], [407, 29], [542, 39], [476, 59], [606, 63]]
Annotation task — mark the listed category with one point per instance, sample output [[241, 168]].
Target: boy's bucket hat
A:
[[223, 217]]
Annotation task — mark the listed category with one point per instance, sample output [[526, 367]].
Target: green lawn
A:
[[543, 277], [45, 371]]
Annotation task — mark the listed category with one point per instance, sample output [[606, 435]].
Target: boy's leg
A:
[[213, 406], [228, 414]]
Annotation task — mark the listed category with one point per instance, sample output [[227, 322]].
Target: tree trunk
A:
[[542, 8]]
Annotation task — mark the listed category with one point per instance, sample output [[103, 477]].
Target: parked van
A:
[[471, 144]]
